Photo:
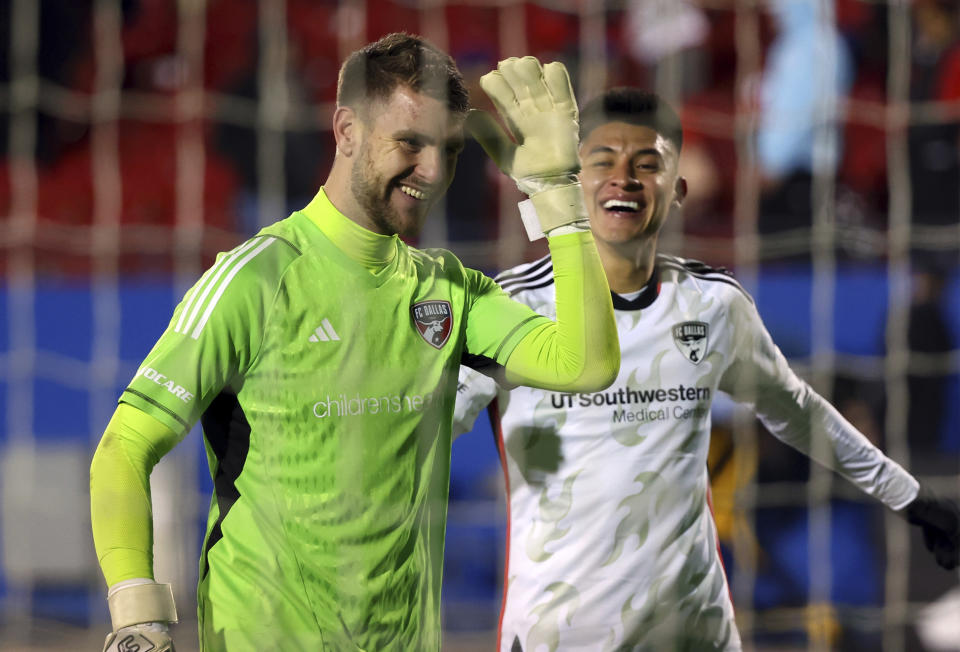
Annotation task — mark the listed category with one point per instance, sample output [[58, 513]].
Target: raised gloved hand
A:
[[539, 109], [140, 611], [939, 519]]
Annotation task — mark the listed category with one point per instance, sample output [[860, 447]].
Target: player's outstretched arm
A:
[[800, 417], [580, 352], [121, 517]]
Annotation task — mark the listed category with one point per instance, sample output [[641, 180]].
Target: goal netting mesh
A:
[[141, 137]]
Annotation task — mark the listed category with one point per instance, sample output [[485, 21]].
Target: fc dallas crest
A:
[[434, 321], [691, 339]]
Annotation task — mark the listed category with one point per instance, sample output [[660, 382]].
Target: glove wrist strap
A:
[[142, 603], [553, 208]]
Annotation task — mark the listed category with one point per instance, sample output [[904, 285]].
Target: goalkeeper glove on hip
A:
[[140, 611]]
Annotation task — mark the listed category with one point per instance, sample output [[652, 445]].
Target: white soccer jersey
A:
[[611, 544]]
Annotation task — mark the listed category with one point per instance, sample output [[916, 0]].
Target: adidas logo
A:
[[324, 333]]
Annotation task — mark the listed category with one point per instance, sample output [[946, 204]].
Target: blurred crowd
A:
[[787, 106]]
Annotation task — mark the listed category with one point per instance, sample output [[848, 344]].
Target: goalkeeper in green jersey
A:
[[321, 358]]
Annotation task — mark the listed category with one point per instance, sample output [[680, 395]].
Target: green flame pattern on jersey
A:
[[622, 519], [547, 527], [635, 436], [641, 619], [642, 509], [546, 630]]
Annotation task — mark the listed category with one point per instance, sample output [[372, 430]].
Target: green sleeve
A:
[[495, 323], [120, 512], [580, 352], [213, 337]]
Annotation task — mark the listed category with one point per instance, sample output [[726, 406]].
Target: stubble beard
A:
[[372, 192]]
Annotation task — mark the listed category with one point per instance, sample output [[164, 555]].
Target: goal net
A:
[[821, 147]]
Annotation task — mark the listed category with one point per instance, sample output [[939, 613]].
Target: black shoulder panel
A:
[[701, 271], [537, 274]]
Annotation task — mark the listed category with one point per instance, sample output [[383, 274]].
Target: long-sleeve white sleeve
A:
[[474, 393], [789, 408]]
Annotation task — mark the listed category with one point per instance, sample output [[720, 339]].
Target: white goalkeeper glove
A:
[[140, 611], [538, 107]]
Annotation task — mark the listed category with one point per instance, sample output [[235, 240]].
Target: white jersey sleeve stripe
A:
[[182, 325], [226, 281], [208, 285], [194, 292]]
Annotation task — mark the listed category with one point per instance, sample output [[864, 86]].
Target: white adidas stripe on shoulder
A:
[[226, 281], [226, 268], [207, 281]]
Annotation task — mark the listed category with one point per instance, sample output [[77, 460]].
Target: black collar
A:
[[647, 295]]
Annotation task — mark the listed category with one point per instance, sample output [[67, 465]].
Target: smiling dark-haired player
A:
[[611, 542]]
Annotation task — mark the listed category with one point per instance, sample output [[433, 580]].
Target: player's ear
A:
[[680, 190], [346, 127]]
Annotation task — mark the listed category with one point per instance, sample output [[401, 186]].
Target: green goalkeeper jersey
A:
[[324, 376]]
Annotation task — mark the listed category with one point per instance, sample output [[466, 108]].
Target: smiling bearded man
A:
[[321, 357]]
